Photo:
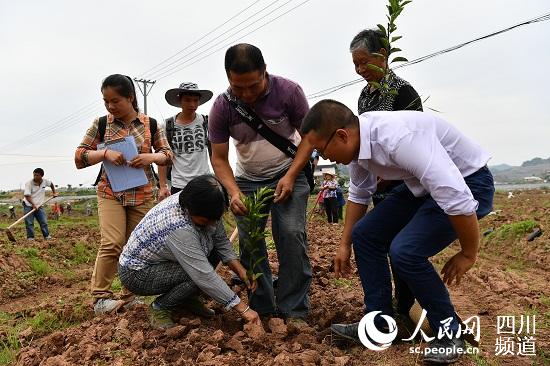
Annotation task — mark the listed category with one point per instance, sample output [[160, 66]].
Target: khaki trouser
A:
[[116, 223]]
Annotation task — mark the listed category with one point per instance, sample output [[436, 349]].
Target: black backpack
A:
[[102, 127], [169, 127]]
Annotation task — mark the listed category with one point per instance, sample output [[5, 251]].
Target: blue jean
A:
[[40, 216], [411, 229], [288, 226]]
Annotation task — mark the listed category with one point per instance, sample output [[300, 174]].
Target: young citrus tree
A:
[[252, 222]]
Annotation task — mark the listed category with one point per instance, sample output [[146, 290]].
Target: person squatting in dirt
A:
[[174, 250], [447, 188], [34, 196], [282, 105], [119, 212]]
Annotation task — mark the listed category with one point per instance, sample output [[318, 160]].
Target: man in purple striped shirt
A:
[[282, 105]]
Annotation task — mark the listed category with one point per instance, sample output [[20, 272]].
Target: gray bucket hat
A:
[[173, 95]]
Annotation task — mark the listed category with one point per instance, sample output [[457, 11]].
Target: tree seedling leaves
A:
[[399, 59], [382, 29], [375, 68]]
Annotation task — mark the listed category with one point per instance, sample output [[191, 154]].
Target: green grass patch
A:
[[39, 267], [81, 253], [513, 231], [9, 347], [116, 286], [342, 282], [28, 252], [42, 323]]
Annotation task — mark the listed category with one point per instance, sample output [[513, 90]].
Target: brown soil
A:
[[510, 278]]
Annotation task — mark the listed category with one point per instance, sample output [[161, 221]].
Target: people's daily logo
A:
[[368, 333]]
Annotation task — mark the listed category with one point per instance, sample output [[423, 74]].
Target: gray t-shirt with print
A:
[[190, 148]]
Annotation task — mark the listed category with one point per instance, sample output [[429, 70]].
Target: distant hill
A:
[[535, 162], [537, 167]]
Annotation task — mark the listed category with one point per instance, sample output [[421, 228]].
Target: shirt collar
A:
[[364, 138], [139, 119]]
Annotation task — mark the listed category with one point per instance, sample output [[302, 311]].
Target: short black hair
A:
[[369, 39], [242, 58], [39, 171], [326, 116], [205, 196]]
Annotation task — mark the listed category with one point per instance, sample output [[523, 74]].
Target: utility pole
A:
[[144, 91]]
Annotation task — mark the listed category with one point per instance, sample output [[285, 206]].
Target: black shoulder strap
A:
[[207, 139], [152, 130], [101, 128], [281, 143], [256, 123], [169, 130]]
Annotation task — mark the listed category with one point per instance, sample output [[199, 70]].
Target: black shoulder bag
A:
[[281, 143]]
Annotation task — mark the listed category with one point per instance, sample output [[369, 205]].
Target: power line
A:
[[57, 125], [335, 88], [201, 38], [176, 61], [36, 137], [69, 120], [233, 40]]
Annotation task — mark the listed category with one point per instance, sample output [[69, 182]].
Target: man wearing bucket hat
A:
[[187, 135]]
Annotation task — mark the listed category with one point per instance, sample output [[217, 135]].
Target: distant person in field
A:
[[329, 187], [174, 250], [447, 188], [367, 48], [120, 212], [35, 194], [12, 212], [187, 134]]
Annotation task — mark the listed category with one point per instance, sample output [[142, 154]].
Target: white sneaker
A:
[[103, 306]]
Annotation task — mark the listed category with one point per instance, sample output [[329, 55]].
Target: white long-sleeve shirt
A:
[[430, 155]]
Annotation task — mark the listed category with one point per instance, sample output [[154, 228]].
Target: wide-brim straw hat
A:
[[173, 96]]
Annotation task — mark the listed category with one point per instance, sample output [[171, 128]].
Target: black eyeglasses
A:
[[322, 154]]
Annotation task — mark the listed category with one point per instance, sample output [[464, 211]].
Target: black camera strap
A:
[[257, 124]]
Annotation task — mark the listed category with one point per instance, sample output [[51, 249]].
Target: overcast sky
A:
[[54, 55]]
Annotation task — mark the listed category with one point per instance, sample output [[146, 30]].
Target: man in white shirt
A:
[[35, 192], [446, 188]]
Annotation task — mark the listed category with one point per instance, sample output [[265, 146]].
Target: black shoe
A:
[[454, 349], [348, 331]]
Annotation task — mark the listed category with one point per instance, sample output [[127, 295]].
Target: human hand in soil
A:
[[284, 189], [342, 263], [163, 193], [251, 317], [142, 160], [114, 157], [455, 268], [237, 206]]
